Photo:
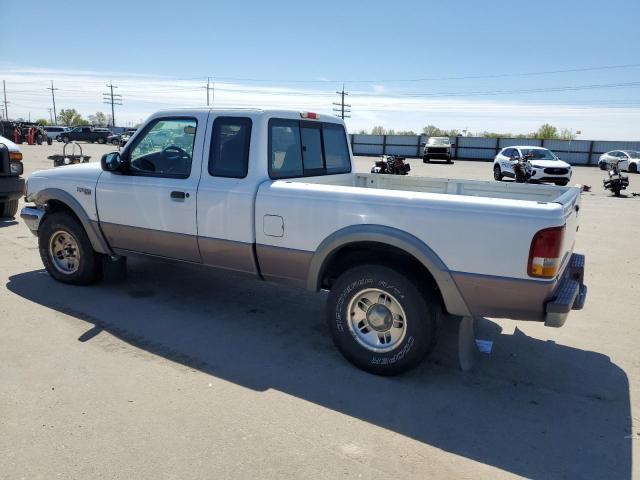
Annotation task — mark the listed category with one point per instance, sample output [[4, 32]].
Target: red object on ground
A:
[[16, 135]]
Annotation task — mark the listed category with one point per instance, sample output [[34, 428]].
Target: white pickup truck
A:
[[273, 194]]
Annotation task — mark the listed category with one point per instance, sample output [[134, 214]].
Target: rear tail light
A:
[[544, 255]]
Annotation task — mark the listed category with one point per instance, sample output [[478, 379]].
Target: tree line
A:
[[72, 117], [546, 131]]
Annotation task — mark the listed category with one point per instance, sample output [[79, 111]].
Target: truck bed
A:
[[471, 188]]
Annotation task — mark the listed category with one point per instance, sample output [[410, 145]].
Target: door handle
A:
[[179, 195]]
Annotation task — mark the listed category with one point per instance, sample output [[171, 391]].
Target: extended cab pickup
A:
[[273, 194]]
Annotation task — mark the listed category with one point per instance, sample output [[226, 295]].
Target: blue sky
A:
[[298, 53]]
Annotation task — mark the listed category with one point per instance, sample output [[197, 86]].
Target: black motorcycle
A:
[[616, 181], [391, 165]]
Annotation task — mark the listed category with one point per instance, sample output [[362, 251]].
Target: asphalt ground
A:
[[184, 372]]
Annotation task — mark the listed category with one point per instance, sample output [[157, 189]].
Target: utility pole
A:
[[210, 86], [4, 90], [342, 110], [53, 98], [50, 117], [113, 99]]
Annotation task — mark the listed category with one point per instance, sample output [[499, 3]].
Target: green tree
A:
[[42, 121], [98, 120], [363, 131], [70, 116], [378, 130], [547, 131], [432, 131], [406, 132]]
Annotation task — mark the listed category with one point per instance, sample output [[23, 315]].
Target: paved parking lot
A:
[[182, 372]]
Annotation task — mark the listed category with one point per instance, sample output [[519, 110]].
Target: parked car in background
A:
[[124, 138], [85, 134], [114, 138], [627, 160], [11, 181], [437, 148], [53, 131], [273, 194], [547, 167]]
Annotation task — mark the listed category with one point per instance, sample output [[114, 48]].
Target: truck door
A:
[[226, 195], [152, 208]]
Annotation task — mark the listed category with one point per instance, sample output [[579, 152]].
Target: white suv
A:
[[546, 166], [627, 160]]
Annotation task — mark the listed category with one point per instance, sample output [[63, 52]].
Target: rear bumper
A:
[[11, 188], [570, 293]]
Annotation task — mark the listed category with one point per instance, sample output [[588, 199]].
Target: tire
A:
[[603, 166], [8, 208], [426, 160], [497, 173], [101, 140], [633, 168], [364, 346], [65, 139], [62, 227]]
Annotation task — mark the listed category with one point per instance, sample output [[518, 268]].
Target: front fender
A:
[[91, 227]]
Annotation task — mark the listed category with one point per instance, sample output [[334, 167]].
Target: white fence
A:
[[577, 152]]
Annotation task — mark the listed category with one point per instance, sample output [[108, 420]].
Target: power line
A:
[[343, 111], [53, 98], [113, 99], [4, 90]]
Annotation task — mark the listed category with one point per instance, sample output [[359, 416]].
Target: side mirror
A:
[[112, 162]]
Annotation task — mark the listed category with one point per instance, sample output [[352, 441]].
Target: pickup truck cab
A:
[[11, 181], [84, 134], [273, 194]]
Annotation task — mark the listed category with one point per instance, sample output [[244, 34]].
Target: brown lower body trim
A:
[[284, 265], [152, 242], [228, 254], [502, 297]]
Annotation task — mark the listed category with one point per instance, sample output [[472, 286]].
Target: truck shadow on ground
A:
[[533, 408]]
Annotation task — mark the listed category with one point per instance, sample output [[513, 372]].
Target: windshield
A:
[[538, 154], [438, 141]]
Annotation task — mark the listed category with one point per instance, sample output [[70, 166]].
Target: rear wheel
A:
[[497, 173], [380, 320], [65, 139], [66, 251], [8, 208]]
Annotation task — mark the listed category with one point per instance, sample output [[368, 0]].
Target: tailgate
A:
[[570, 200]]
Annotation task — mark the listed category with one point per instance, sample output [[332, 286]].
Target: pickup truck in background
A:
[[273, 194], [85, 134], [11, 181], [437, 148]]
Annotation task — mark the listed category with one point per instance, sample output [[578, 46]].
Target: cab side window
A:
[[165, 149], [229, 155]]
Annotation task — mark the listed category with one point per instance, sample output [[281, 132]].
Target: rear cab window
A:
[[299, 148]]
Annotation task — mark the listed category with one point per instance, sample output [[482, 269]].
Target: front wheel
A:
[[101, 140], [497, 173], [633, 168], [380, 320], [66, 251]]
